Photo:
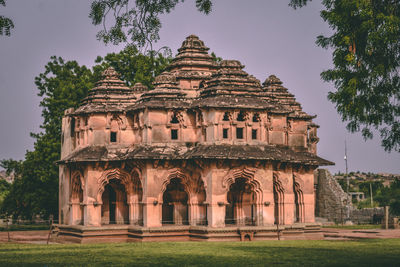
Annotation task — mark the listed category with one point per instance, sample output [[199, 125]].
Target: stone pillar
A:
[[119, 208], [259, 214], [307, 211], [386, 217], [92, 214], [216, 214], [193, 213], [216, 196], [152, 212], [287, 206], [239, 214], [179, 213], [134, 210], [76, 213]]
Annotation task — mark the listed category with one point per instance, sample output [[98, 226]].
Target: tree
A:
[[4, 189], [366, 58], [63, 85], [390, 196], [6, 24], [136, 22], [133, 66], [34, 191], [365, 43]]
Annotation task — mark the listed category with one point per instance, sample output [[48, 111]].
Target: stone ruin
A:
[[335, 205]]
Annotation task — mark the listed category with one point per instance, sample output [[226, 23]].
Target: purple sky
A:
[[268, 37]]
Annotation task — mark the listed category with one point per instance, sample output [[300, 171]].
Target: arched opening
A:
[[256, 117], [77, 201], [241, 207], [278, 201], [175, 200], [174, 118], [298, 202], [134, 202], [115, 208], [226, 116], [241, 116]]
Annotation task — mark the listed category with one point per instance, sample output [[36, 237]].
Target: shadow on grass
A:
[[284, 253]]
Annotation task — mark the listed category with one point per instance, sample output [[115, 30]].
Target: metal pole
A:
[[51, 228], [345, 160], [370, 190]]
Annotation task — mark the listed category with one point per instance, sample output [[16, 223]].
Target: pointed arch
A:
[[279, 199], [244, 197], [226, 116], [117, 174], [77, 184], [120, 194], [76, 197], [179, 174], [299, 199], [178, 208]]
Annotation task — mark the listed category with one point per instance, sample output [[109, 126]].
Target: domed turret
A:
[[165, 92], [274, 89], [110, 94]]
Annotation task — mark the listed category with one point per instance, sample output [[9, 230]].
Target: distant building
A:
[[8, 178], [209, 153]]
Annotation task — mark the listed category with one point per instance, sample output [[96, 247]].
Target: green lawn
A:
[[263, 253]]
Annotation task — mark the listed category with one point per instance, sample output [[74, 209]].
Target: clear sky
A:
[[268, 37]]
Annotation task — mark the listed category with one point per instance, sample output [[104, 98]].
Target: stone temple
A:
[[208, 154]]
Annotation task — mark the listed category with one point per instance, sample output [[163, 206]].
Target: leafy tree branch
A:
[[6, 24]]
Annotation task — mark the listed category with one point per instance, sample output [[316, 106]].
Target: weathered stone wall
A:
[[367, 215], [332, 202]]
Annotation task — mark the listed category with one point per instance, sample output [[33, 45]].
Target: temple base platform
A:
[[129, 233]]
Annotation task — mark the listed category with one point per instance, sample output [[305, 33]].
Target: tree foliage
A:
[[366, 59], [133, 66], [390, 196], [136, 22], [4, 189], [6, 24], [63, 85]]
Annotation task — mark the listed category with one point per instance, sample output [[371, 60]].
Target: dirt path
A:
[[25, 236], [334, 233]]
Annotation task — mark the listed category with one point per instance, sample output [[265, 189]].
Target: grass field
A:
[[264, 253]]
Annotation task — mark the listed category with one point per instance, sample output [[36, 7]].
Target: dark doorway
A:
[[241, 203], [175, 208], [114, 203]]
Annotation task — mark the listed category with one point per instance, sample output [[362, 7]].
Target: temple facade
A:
[[209, 153]]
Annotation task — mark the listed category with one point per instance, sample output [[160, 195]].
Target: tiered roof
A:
[[223, 85], [231, 87], [166, 94], [139, 88], [192, 60], [273, 88], [110, 94]]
